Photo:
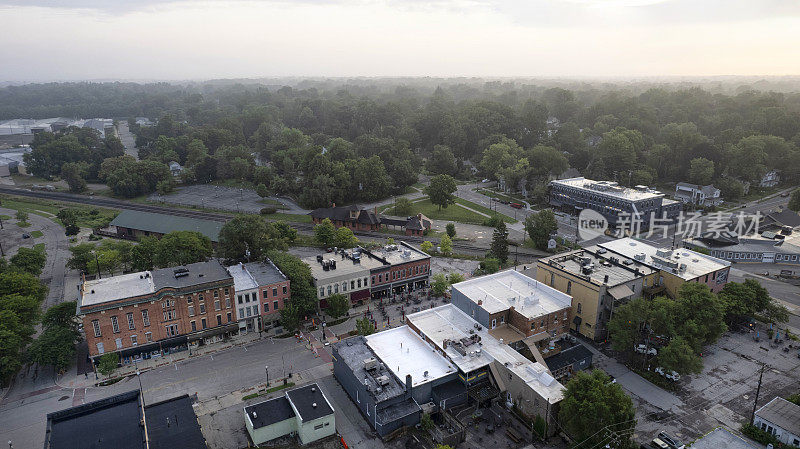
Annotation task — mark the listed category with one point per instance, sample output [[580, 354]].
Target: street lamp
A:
[[266, 369]]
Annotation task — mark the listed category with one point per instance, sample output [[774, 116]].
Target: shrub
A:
[[268, 210]]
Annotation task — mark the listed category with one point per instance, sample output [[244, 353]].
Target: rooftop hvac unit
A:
[[640, 257], [370, 363], [682, 267], [383, 380]]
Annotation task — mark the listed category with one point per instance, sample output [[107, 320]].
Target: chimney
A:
[[408, 385]]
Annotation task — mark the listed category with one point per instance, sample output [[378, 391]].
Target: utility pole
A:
[[97, 261], [758, 391]]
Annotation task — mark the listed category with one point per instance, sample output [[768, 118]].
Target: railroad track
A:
[[215, 216]]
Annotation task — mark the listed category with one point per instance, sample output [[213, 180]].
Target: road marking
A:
[[167, 385]]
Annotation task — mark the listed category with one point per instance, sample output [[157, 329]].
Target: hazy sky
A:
[[182, 39]]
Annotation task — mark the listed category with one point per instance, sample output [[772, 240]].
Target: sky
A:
[[45, 40]]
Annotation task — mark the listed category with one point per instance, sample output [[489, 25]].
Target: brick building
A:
[[148, 313], [351, 217], [262, 290]]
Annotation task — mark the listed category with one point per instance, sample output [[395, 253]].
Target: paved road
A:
[[127, 138]]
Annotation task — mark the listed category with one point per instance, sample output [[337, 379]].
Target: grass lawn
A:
[[418, 185], [88, 216], [501, 196], [453, 212], [297, 218], [39, 247], [483, 209], [36, 234], [5, 217], [23, 224]]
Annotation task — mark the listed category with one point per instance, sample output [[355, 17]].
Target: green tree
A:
[[699, 315], [490, 265], [426, 246], [446, 245], [594, 409], [248, 234], [345, 238], [402, 207], [442, 161], [29, 260], [701, 171], [364, 327], [744, 299], [15, 282], [143, 254], [54, 347], [74, 174], [451, 230], [108, 363], [440, 284], [441, 190], [61, 315], [325, 233], [182, 247], [679, 356], [82, 255], [262, 190], [21, 215], [540, 226], [794, 201], [304, 294], [286, 231], [338, 305], [499, 246], [455, 278]]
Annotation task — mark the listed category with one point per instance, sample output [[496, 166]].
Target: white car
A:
[[643, 349], [671, 375]]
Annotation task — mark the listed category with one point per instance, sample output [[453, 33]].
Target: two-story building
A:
[[616, 203], [262, 290], [403, 268], [697, 194], [147, 313]]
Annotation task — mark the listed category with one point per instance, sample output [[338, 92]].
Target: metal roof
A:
[[781, 413], [164, 224]]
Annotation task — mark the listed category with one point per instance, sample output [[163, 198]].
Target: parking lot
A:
[[206, 196]]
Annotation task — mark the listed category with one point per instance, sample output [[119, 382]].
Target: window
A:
[[552, 279], [129, 316], [191, 310], [216, 293], [100, 348], [353, 284], [200, 298], [148, 336], [219, 320], [275, 291], [247, 297], [203, 323], [380, 278], [255, 310], [114, 324], [169, 315], [172, 330], [266, 307], [227, 303], [239, 298], [321, 292], [189, 299], [96, 327], [249, 311], [336, 288], [118, 342], [229, 317], [373, 279], [330, 290], [241, 313], [227, 291], [344, 286], [202, 308], [569, 287], [145, 318], [134, 341], [502, 319], [194, 326], [264, 293], [216, 305], [319, 426], [284, 290], [274, 305]]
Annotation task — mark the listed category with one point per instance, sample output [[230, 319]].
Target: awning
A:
[[620, 292]]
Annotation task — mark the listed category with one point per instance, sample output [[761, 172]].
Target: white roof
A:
[[610, 188], [242, 279], [500, 291], [404, 352], [684, 263], [117, 287], [448, 322]]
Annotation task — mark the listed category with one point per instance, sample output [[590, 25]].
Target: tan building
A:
[[598, 283]]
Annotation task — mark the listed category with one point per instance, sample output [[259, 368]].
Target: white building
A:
[[770, 179], [781, 419], [304, 412], [697, 194]]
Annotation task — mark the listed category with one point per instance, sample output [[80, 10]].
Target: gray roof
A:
[[310, 402], [785, 217], [265, 273], [269, 412], [198, 273], [782, 413], [164, 224], [353, 352], [719, 438]]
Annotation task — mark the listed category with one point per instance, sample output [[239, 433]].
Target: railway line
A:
[[524, 254]]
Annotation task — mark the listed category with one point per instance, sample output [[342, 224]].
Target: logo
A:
[[591, 225]]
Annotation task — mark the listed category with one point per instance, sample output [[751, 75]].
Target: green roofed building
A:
[[131, 224]]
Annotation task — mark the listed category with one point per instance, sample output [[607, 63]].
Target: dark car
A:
[[26, 236], [516, 205]]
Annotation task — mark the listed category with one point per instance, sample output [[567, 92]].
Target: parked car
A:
[[643, 349], [671, 375], [516, 205], [784, 194], [672, 442]]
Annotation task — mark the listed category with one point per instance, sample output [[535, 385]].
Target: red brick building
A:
[[148, 313], [351, 217], [403, 268]]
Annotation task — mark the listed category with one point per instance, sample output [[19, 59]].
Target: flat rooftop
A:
[[164, 224], [722, 438], [110, 422], [269, 412], [173, 423], [681, 262], [242, 280], [310, 402], [610, 188], [354, 352], [448, 322], [196, 273], [404, 352], [499, 291], [344, 266], [265, 273], [114, 288], [399, 253], [593, 263]]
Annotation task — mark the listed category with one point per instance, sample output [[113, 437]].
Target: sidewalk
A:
[[74, 380]]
